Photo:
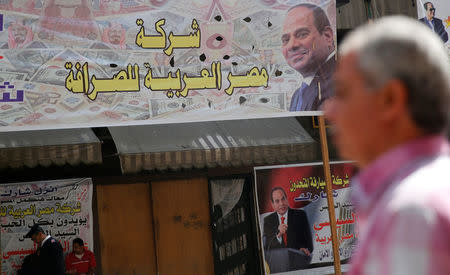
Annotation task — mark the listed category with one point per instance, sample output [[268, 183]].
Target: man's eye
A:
[[301, 34]]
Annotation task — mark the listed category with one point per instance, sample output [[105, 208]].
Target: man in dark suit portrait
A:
[[308, 47], [49, 258], [286, 227], [434, 23]]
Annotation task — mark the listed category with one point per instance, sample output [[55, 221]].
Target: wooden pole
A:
[[330, 200]]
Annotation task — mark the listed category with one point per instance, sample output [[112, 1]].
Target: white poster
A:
[[69, 64], [63, 208], [436, 15]]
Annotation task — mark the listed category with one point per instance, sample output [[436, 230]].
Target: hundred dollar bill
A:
[[160, 107], [271, 41], [132, 111], [29, 61], [109, 61], [35, 94], [105, 56], [12, 115], [54, 75], [54, 72], [159, 63], [243, 36], [11, 76]]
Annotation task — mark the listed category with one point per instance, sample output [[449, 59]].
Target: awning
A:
[[213, 144], [33, 148]]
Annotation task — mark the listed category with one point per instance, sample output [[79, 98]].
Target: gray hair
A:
[[405, 49]]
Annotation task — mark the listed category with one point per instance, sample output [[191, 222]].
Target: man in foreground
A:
[[390, 113], [49, 259]]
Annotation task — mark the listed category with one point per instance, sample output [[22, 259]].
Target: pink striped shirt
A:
[[403, 205]]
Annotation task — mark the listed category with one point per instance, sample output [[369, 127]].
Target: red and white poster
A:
[[293, 216], [63, 208]]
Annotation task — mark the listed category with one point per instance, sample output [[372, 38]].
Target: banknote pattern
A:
[[39, 38]]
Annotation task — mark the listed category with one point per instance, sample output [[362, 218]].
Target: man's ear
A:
[[328, 34], [393, 99]]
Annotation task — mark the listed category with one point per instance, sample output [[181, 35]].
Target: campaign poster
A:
[[435, 14], [294, 221], [62, 208], [96, 63]]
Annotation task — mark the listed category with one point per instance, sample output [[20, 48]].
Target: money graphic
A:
[[95, 62], [11, 76]]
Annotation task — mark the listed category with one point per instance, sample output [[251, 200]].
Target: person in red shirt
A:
[[80, 261]]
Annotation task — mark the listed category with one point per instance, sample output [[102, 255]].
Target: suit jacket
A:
[[438, 28], [310, 96], [50, 258], [298, 233]]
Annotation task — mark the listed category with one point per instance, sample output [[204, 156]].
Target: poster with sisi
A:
[[294, 219], [436, 15], [69, 64], [62, 208]]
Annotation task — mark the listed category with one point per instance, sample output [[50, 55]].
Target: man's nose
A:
[[293, 44]]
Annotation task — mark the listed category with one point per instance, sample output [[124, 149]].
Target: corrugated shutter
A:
[[50, 147], [213, 144]]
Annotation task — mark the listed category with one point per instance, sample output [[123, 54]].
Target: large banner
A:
[[88, 63], [293, 216], [436, 15], [63, 208]]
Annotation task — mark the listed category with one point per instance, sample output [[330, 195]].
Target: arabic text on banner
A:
[[68, 64]]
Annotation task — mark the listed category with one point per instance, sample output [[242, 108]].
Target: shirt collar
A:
[[309, 79], [285, 215], [372, 180], [79, 256], [46, 238], [330, 56]]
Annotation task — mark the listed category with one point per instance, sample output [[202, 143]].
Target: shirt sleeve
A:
[[280, 239]]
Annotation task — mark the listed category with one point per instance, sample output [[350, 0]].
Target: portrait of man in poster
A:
[[308, 47], [432, 22], [287, 227]]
